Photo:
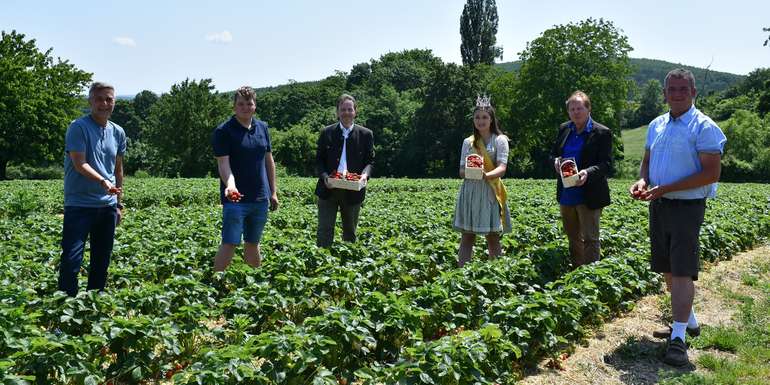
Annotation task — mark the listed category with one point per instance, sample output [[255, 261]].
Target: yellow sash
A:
[[496, 183]]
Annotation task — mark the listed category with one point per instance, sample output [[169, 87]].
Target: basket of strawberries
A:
[[474, 167], [569, 172], [346, 181]]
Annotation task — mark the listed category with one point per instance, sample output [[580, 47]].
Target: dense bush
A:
[[23, 171], [747, 153]]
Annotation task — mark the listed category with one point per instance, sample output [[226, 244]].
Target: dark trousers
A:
[[327, 216], [79, 222], [675, 236]]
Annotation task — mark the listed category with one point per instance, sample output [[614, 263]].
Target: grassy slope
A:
[[633, 142]]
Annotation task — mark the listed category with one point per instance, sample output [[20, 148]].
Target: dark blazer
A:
[[360, 157], [595, 158]]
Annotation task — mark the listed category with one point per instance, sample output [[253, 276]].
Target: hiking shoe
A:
[[676, 353], [666, 332]]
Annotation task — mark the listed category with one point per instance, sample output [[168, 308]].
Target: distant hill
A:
[[646, 69]]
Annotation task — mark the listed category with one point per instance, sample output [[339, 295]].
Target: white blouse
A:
[[497, 149]]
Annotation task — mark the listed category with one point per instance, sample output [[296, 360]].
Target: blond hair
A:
[[582, 96]]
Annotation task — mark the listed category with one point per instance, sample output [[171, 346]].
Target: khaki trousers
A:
[[581, 225]]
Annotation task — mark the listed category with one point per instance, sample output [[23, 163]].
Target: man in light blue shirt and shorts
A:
[[680, 170]]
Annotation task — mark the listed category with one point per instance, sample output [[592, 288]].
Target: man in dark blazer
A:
[[590, 144], [343, 146]]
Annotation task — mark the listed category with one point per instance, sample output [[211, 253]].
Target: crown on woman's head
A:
[[483, 101]]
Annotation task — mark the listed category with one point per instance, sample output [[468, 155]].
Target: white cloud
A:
[[124, 41], [220, 37]]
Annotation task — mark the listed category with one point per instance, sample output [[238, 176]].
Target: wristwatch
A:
[[119, 206]]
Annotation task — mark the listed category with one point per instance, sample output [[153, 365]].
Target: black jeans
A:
[[327, 216], [79, 222]]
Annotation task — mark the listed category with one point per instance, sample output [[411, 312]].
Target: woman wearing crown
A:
[[481, 207]]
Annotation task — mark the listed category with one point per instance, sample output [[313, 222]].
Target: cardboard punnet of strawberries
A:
[[474, 167], [568, 171], [347, 181]]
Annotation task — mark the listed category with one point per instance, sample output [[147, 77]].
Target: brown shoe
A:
[[676, 353], [666, 332]]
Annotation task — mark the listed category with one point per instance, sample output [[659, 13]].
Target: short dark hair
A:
[[345, 97], [98, 86], [680, 73], [245, 93]]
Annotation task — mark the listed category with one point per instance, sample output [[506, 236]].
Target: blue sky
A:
[[141, 44]]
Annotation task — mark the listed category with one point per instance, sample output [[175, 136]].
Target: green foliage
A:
[[125, 116], [24, 171], [752, 94], [719, 108], [445, 119], [644, 70], [179, 129], [650, 103], [19, 204], [478, 30], [405, 70], [39, 97], [288, 105], [747, 152], [295, 149], [391, 307], [592, 56], [755, 81], [143, 102], [706, 80]]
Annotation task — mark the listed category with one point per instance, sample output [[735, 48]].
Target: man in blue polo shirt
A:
[[93, 180], [247, 180], [680, 170]]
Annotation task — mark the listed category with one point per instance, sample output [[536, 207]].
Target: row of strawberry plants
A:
[[25, 196], [346, 255]]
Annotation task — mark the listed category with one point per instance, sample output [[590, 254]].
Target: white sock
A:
[[677, 330], [692, 323]]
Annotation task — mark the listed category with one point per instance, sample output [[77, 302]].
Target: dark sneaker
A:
[[666, 332], [676, 353]]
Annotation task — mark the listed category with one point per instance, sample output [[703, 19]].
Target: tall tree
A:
[[180, 126], [143, 101], [592, 56], [125, 116], [650, 103], [478, 30], [39, 97], [444, 120]]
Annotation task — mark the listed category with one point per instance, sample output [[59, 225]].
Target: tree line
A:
[[418, 106]]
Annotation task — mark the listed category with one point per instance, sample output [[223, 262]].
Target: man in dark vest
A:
[[342, 147]]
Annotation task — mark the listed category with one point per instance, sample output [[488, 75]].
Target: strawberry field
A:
[[392, 308]]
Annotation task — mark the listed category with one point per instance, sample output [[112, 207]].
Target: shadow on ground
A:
[[640, 359]]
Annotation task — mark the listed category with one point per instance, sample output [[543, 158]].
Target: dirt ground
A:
[[623, 351]]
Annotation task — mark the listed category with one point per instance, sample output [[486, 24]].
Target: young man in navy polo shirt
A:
[[247, 180]]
